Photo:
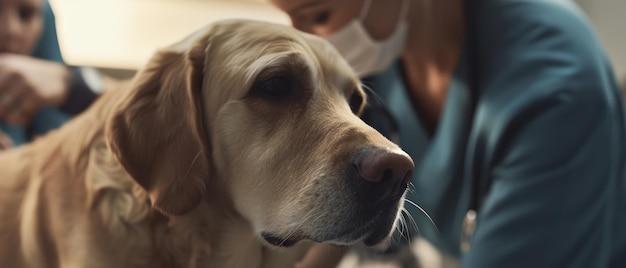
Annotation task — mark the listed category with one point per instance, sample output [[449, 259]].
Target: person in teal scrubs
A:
[[512, 114], [38, 92]]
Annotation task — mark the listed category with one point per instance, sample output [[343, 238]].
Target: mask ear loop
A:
[[406, 4], [404, 10], [365, 9]]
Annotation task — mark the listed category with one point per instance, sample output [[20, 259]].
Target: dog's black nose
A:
[[391, 169]]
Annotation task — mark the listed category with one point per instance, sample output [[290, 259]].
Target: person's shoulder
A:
[[536, 52], [551, 24], [534, 38], [47, 48], [551, 12]]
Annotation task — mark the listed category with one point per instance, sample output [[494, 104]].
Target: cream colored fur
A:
[[180, 167]]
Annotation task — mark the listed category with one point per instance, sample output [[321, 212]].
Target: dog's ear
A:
[[158, 135]]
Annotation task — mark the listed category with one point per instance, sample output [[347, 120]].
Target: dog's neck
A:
[[211, 235], [216, 238]]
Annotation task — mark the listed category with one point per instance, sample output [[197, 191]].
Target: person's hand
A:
[[28, 84], [5, 141], [322, 256]]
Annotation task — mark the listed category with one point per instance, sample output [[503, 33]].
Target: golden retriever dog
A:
[[226, 150]]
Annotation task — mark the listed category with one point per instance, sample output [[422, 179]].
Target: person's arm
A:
[[84, 86], [28, 84], [558, 148], [31, 83], [5, 141], [550, 201], [322, 256]]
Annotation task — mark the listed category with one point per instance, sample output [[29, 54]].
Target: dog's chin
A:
[[374, 240], [377, 237], [375, 233]]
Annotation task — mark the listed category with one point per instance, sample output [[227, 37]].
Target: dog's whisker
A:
[[409, 216], [425, 214], [405, 230], [393, 241], [400, 229], [411, 187], [413, 222], [400, 219], [408, 231], [411, 219], [192, 163]]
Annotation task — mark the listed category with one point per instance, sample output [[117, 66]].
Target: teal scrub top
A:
[[538, 136], [46, 119]]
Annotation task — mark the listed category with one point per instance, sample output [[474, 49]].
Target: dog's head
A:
[[273, 113]]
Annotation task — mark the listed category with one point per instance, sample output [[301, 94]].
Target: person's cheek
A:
[[335, 22], [323, 30], [32, 34]]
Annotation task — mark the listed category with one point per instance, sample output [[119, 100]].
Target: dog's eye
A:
[[356, 100], [276, 87]]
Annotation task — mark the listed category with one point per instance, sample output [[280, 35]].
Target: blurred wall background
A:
[[609, 20], [121, 35]]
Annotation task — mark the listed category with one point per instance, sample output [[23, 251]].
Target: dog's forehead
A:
[[251, 43], [265, 34], [331, 64]]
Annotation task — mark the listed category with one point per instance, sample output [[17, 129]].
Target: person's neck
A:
[[435, 39]]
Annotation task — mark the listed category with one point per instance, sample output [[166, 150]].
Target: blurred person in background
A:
[[38, 92], [512, 115]]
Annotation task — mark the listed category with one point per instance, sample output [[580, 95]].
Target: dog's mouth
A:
[[278, 241], [371, 232], [371, 238]]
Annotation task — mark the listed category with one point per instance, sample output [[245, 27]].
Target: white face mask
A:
[[366, 55]]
